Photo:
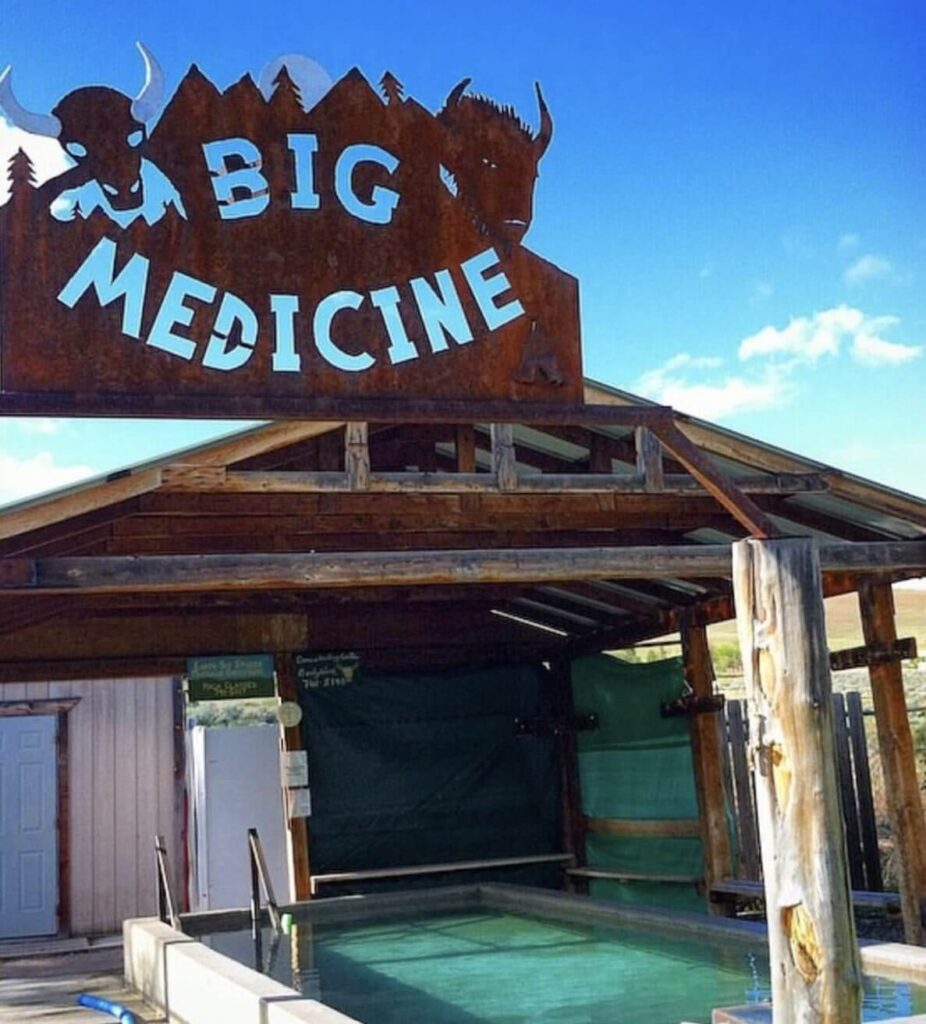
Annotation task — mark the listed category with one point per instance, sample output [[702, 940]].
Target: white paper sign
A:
[[299, 802], [295, 768]]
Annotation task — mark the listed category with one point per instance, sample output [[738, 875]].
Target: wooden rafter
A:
[[75, 502], [842, 485], [715, 482]]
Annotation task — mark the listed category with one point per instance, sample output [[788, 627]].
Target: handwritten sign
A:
[[324, 671]]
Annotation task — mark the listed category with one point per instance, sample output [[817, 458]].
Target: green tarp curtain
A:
[[411, 769], [637, 765]]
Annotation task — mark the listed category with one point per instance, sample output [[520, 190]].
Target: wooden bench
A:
[[756, 890], [632, 876]]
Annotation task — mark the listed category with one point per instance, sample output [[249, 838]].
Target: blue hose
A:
[[121, 1014]]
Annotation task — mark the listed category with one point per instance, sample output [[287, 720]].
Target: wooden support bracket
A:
[[192, 477], [874, 654]]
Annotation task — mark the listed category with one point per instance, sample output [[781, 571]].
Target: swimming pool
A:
[[501, 955]]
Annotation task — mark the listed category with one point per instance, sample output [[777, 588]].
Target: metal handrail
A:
[[261, 877], [166, 901]]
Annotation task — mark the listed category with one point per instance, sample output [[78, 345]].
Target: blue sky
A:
[[739, 187]]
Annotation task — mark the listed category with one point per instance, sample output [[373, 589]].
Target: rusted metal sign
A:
[[248, 256]]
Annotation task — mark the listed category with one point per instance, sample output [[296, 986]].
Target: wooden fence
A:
[[854, 784]]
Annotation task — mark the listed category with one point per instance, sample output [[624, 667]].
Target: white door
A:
[[28, 826], [235, 785]]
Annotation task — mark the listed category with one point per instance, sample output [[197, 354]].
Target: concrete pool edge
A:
[[193, 984]]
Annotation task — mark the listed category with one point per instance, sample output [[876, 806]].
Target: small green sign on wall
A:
[[230, 677]]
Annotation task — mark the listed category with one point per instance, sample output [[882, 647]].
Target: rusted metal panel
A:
[[249, 251]]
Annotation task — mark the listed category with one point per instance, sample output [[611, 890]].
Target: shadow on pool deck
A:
[[44, 989]]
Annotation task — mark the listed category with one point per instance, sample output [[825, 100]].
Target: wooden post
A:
[[599, 454], [707, 754], [816, 977], [297, 843], [567, 756], [357, 456], [503, 456], [898, 761], [649, 459], [466, 448]]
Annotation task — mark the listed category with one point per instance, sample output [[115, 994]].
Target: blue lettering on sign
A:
[[247, 178], [235, 333], [383, 200], [486, 289], [98, 271]]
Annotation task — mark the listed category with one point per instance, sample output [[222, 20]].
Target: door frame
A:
[[60, 707]]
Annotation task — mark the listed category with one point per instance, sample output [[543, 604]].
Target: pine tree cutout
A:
[[286, 94], [392, 89], [20, 172]]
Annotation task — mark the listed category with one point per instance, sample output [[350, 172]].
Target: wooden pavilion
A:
[[428, 540]]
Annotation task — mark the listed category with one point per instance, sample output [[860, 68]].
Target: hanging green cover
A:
[[637, 765], [428, 768]]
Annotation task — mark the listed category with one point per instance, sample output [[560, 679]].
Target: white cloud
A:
[[807, 339], [671, 384], [773, 355], [694, 362], [848, 241], [47, 156], [869, 267], [706, 271], [762, 291], [870, 350], [24, 477]]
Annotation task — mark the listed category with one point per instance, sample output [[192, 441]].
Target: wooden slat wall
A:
[[855, 792], [122, 792]]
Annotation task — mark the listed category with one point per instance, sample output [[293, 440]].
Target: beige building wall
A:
[[122, 792]]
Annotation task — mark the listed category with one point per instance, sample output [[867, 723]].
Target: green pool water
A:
[[486, 967]]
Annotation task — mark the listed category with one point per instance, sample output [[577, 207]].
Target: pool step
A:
[[761, 1013]]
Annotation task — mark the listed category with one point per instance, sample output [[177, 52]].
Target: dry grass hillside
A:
[[843, 626]]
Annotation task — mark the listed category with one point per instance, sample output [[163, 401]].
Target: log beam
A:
[[707, 756], [122, 574], [816, 975], [898, 760], [181, 478]]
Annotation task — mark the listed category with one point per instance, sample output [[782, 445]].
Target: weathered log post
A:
[[707, 756], [898, 760], [816, 978]]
